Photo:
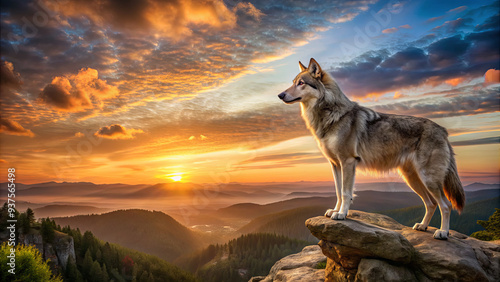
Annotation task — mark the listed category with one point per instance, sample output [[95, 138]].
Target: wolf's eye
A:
[[300, 83]]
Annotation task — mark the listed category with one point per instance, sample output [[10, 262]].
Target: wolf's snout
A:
[[282, 95]]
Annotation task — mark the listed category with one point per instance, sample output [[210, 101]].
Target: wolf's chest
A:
[[330, 147]]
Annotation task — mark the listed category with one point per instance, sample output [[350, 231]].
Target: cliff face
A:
[[374, 247], [59, 252]]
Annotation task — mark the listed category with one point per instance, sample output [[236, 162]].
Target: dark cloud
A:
[[480, 141], [9, 79], [457, 103], [75, 93], [13, 128], [116, 131], [458, 56]]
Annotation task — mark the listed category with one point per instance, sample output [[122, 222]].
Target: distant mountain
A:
[[289, 223], [481, 186], [151, 232], [464, 223], [365, 200], [66, 210]]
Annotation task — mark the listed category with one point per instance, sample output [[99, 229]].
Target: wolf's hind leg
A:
[[413, 180], [337, 176], [444, 206]]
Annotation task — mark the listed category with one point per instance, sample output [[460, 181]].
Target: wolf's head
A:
[[308, 85]]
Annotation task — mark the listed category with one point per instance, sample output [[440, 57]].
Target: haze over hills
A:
[[151, 232], [66, 210]]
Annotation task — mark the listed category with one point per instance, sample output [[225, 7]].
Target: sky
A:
[[149, 91]]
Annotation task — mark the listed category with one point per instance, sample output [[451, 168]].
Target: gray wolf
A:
[[352, 136]]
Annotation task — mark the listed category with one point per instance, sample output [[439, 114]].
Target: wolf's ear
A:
[[302, 67], [314, 68]]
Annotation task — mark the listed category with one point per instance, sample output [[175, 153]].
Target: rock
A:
[[64, 248], [363, 236], [297, 267], [379, 270], [34, 239], [373, 247]]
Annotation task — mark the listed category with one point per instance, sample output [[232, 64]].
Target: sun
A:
[[176, 178]]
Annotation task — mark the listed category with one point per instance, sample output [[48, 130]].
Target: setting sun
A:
[[176, 178]]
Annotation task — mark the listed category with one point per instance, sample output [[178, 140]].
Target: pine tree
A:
[[95, 274], [87, 263], [31, 215]]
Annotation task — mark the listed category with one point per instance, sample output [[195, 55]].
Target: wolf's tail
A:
[[452, 186]]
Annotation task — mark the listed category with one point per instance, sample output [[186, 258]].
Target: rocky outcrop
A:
[[374, 247], [59, 252], [65, 249], [297, 267]]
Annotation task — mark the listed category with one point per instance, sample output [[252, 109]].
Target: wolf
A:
[[354, 137]]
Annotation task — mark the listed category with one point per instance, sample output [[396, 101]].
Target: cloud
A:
[[451, 60], [454, 25], [407, 26], [8, 77], [458, 102], [431, 20], [492, 76], [173, 19], [13, 128], [390, 30], [73, 93], [480, 141], [458, 9], [117, 131]]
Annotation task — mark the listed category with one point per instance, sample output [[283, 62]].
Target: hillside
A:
[[66, 210], [289, 223], [151, 232], [241, 258], [465, 223]]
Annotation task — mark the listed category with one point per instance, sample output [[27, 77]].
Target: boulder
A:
[[297, 267], [373, 247]]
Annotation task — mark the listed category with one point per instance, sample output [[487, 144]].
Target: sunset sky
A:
[[148, 91]]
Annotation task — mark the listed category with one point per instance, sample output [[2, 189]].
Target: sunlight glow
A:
[[176, 178]]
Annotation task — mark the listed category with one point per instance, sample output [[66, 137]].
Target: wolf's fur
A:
[[351, 136]]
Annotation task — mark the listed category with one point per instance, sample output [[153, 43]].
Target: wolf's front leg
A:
[[348, 174], [337, 176]]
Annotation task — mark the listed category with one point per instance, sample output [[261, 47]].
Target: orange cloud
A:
[[455, 81], [117, 131], [74, 93], [13, 128], [492, 76], [173, 19], [390, 30]]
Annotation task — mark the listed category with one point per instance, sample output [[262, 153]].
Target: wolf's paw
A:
[[441, 234], [419, 227], [329, 212], [338, 216]]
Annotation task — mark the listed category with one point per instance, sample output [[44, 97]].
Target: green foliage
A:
[[241, 258], [321, 265], [23, 223], [48, 230], [98, 261], [29, 265], [464, 223], [30, 215], [491, 226]]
